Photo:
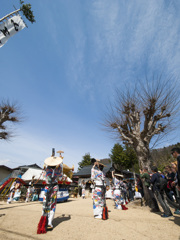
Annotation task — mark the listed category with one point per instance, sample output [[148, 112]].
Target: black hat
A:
[[93, 160]]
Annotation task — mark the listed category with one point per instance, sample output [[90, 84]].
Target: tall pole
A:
[[16, 11]]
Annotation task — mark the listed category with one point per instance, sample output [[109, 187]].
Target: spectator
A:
[[165, 172], [155, 180], [149, 196], [145, 176], [170, 175], [176, 154], [162, 174], [170, 178], [130, 191], [80, 190], [140, 186], [173, 184]]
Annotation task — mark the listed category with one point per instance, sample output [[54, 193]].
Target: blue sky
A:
[[63, 70]]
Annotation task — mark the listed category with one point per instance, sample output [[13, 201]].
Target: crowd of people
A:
[[163, 188], [16, 188], [157, 188], [119, 189]]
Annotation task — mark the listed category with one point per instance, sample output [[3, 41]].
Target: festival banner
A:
[[10, 27]]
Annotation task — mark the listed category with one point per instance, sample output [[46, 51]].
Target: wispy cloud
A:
[[121, 41], [108, 43]]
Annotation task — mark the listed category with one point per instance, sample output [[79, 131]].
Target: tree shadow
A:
[[61, 219]]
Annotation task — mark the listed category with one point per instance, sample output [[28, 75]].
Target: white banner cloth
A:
[[10, 27]]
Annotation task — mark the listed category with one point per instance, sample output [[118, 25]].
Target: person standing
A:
[[98, 177], [129, 189], [175, 152], [159, 194], [30, 190], [117, 192], [83, 185], [14, 187], [145, 176], [118, 199], [53, 173], [12, 191], [148, 193], [174, 189]]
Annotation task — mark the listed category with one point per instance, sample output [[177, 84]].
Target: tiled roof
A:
[[28, 166], [7, 168]]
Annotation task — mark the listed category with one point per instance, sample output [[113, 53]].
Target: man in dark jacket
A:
[[148, 193], [155, 181], [176, 154]]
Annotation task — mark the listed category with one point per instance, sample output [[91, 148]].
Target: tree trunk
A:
[[143, 155]]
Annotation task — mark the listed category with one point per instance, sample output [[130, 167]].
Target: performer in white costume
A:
[[15, 185], [83, 185], [118, 195], [98, 194], [53, 173], [117, 191], [30, 190]]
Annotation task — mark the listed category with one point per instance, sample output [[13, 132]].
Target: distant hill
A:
[[162, 156]]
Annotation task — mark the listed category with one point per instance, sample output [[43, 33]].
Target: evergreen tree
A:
[[27, 12], [86, 161], [123, 157]]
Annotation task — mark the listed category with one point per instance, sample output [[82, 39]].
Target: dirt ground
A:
[[74, 221]]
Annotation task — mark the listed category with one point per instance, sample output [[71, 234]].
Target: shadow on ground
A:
[[176, 220], [69, 200], [20, 205], [61, 219]]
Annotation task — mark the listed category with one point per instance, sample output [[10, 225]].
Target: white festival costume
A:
[[12, 191], [30, 192], [83, 190], [98, 193], [117, 193]]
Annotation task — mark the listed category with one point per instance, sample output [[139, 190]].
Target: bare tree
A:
[[8, 114], [142, 114]]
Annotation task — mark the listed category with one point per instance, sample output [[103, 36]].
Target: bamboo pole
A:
[[16, 11]]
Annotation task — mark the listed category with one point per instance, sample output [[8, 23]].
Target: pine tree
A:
[[85, 161]]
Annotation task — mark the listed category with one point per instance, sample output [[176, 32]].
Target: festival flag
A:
[[10, 27]]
